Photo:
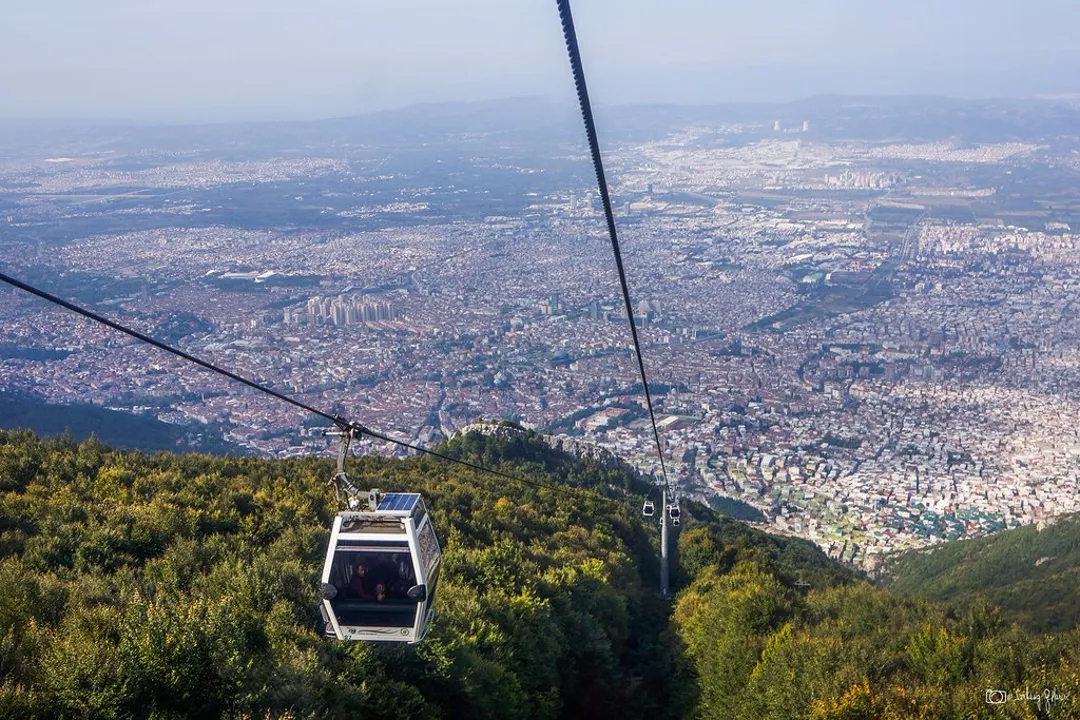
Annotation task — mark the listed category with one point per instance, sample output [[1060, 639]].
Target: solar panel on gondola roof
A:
[[399, 501]]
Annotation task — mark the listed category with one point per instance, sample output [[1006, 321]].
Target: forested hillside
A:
[[1032, 573], [117, 429], [184, 586]]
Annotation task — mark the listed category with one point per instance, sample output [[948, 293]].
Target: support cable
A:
[[601, 180]]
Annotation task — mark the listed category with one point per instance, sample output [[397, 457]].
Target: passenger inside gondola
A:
[[400, 577], [361, 586], [376, 577]]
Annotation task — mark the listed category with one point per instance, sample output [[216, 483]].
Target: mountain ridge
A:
[[1032, 573]]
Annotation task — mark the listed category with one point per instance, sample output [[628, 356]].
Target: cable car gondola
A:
[[647, 508], [382, 564], [381, 569], [673, 513]]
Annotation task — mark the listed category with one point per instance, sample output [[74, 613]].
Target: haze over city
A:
[[255, 60]]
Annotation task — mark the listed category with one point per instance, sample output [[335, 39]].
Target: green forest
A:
[[172, 586], [1032, 573]]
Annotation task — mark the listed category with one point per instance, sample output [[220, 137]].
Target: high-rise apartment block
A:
[[341, 310]]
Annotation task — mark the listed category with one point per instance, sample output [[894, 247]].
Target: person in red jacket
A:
[[361, 585]]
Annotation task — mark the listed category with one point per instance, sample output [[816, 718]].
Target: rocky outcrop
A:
[[563, 443]]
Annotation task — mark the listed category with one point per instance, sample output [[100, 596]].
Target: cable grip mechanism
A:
[[346, 494]]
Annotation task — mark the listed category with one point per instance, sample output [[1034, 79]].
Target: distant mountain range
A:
[[532, 123]]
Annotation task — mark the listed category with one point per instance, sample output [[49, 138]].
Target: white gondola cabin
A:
[[381, 569], [647, 508]]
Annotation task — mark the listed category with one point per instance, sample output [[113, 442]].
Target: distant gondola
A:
[[647, 508], [381, 569]]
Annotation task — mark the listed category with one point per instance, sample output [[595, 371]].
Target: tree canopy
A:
[[168, 586]]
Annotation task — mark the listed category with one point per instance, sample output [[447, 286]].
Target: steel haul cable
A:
[[601, 180]]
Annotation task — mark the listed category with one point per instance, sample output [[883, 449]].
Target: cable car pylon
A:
[[663, 545]]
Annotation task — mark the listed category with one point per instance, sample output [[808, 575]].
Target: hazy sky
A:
[[227, 59]]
